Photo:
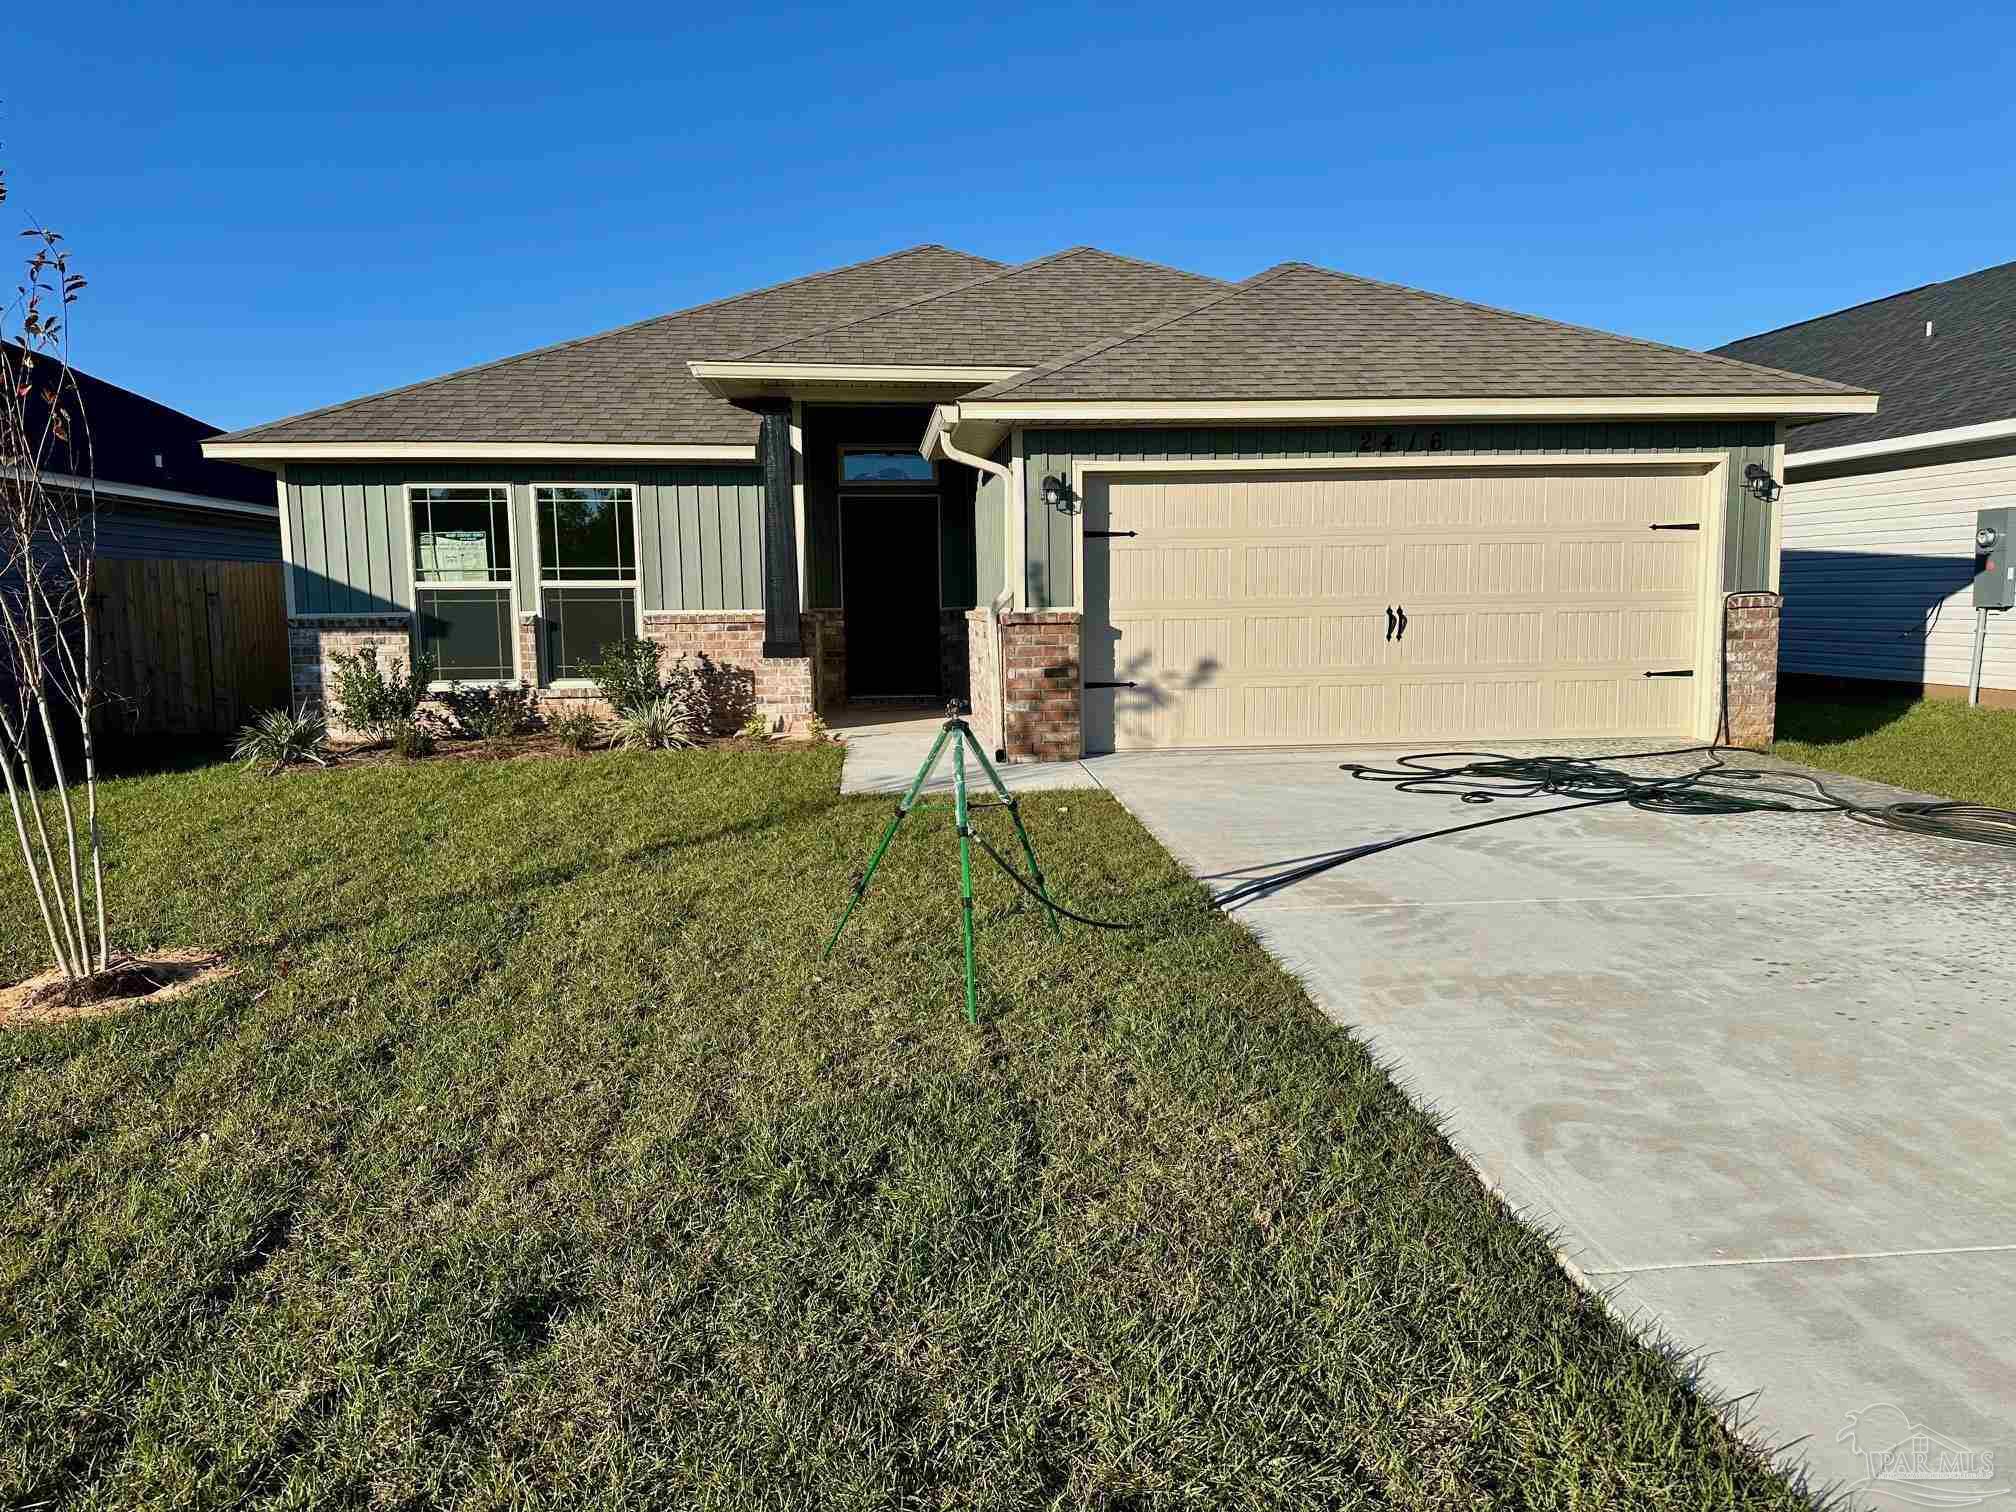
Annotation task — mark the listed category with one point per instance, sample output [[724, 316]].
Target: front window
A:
[[866, 466], [462, 580], [587, 572]]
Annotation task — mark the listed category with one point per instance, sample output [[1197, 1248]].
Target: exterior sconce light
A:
[[1057, 494], [1762, 484]]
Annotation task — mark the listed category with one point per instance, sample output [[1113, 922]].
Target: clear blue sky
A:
[[282, 206]]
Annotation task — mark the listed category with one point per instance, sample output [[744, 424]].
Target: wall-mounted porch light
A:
[[1762, 484], [1057, 494]]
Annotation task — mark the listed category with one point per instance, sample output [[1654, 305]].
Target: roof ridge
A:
[[1006, 270], [1087, 353], [633, 325], [1863, 304], [1582, 330], [1001, 270]]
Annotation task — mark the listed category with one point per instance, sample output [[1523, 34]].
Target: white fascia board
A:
[[1959, 435], [849, 372], [140, 493], [1680, 406], [469, 451]]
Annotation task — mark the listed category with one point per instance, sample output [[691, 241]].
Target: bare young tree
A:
[[49, 690]]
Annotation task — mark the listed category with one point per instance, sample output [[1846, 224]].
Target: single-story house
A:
[[1118, 505], [1880, 509]]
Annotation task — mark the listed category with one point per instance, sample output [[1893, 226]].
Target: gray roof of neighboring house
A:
[[1011, 316], [1965, 374], [1298, 331], [629, 385]]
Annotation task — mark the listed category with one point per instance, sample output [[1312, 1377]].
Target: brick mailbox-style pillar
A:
[[1751, 624], [1042, 678]]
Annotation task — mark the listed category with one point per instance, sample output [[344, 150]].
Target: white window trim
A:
[[509, 584], [539, 584]]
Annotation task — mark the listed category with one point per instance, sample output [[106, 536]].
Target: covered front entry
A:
[[889, 564], [1435, 603]]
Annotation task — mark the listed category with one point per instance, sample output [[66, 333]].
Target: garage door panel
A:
[[1253, 609], [1313, 642]]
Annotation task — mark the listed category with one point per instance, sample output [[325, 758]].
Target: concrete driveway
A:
[[1757, 1072]]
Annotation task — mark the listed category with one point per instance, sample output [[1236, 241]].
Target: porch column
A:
[[781, 634]]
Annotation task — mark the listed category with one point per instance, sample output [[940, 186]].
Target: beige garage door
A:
[[1253, 609]]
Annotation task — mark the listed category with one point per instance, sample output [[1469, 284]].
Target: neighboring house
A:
[[191, 634], [158, 495], [1305, 507], [1880, 509]]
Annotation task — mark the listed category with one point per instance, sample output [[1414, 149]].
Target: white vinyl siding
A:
[[1873, 558]]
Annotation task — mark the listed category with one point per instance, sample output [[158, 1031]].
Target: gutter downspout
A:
[[938, 436]]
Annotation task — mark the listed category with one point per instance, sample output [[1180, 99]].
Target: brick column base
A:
[[313, 643], [983, 678], [782, 688], [1751, 623], [1040, 655]]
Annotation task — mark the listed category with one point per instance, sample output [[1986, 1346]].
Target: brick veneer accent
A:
[[786, 686], [832, 653], [983, 678], [953, 678], [1751, 622], [1040, 650], [314, 643]]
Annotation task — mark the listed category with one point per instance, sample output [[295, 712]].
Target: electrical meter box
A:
[[1995, 559]]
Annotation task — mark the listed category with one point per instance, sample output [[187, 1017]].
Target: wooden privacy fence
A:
[[188, 647]]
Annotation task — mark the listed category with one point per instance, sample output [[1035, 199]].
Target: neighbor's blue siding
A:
[[1051, 565], [141, 532], [699, 528]]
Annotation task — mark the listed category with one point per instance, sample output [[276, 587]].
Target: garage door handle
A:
[[1109, 685], [1691, 525], [1403, 622], [1683, 672], [1389, 622]]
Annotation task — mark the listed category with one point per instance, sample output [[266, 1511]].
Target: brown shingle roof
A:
[[1011, 316], [629, 385], [1302, 332]]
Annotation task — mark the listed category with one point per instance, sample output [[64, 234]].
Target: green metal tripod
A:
[[956, 733]]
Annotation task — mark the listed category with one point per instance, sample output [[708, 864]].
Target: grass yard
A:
[[534, 1158], [1927, 745]]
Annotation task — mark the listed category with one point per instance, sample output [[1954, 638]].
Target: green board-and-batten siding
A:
[[699, 528], [1051, 565]]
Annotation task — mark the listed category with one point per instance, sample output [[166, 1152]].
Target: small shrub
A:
[[374, 701], [411, 740], [283, 738], [816, 729], [494, 713], [727, 695], [579, 731], [627, 675], [756, 727], [665, 724]]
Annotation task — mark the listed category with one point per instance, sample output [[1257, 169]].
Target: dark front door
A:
[[889, 584]]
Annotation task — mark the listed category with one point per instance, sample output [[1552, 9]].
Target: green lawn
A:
[[1929, 746], [534, 1158]]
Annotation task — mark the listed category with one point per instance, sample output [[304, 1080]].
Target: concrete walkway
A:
[[886, 743], [1759, 1073]]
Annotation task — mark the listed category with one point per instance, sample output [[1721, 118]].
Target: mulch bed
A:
[[159, 976]]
